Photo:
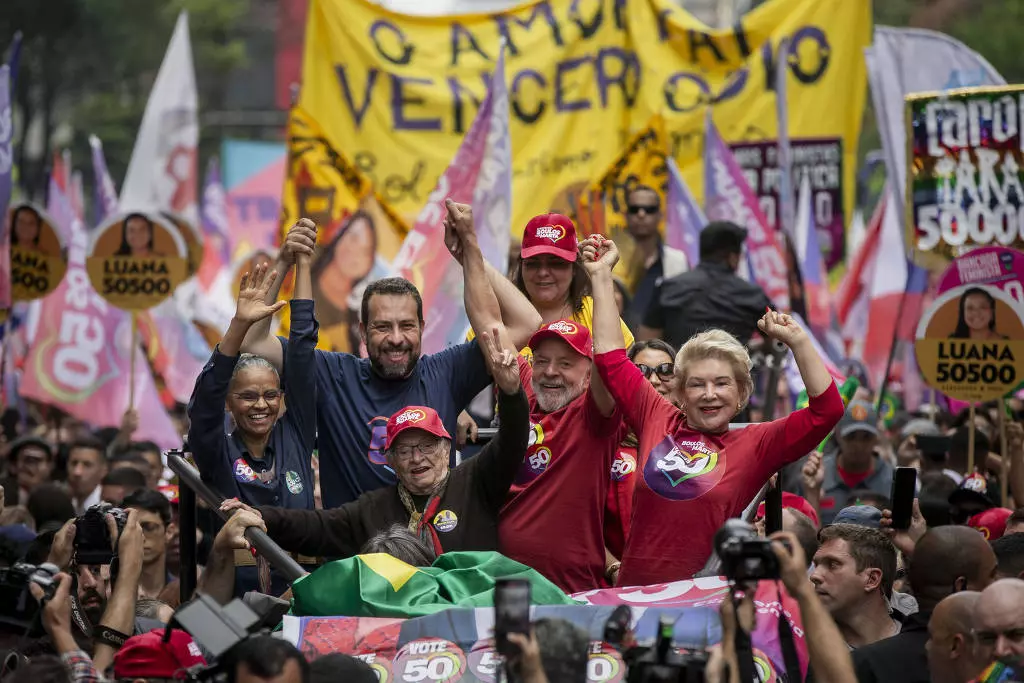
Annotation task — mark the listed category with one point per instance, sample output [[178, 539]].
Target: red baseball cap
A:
[[150, 656], [572, 333], [550, 233], [991, 523], [415, 417], [795, 502]]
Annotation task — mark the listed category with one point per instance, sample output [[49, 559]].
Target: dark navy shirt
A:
[[354, 404], [222, 458]]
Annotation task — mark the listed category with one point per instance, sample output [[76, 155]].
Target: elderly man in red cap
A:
[[449, 509], [554, 519]]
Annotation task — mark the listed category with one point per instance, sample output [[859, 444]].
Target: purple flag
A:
[[106, 193], [684, 218], [479, 174], [6, 164], [214, 214], [728, 197]]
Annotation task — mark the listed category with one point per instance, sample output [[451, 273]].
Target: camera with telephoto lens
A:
[[662, 663], [744, 555], [93, 544], [18, 608]]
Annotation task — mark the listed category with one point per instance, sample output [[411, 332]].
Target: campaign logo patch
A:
[[683, 471], [551, 232], [624, 466], [536, 435], [293, 481], [534, 464], [563, 327], [411, 415], [243, 472], [445, 520], [378, 437]]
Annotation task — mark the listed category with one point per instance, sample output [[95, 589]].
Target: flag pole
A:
[[892, 348], [131, 350], [970, 440], [1004, 484]]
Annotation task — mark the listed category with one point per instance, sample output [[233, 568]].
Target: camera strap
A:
[[77, 614], [744, 648], [787, 644]]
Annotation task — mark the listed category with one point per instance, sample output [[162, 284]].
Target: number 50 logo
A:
[[429, 660]]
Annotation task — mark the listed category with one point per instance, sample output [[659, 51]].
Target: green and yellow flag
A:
[[379, 585]]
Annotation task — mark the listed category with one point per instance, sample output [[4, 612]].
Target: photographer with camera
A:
[[84, 548]]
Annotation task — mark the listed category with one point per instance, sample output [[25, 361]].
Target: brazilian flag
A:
[[378, 585]]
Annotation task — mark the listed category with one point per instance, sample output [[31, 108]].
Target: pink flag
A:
[[728, 197], [480, 175], [79, 361], [811, 263]]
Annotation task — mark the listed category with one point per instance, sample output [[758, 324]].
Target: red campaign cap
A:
[[550, 233], [415, 417], [991, 523], [572, 333], [795, 502], [149, 656]]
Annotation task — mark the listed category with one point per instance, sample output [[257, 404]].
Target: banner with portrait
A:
[[391, 96], [39, 256], [965, 173]]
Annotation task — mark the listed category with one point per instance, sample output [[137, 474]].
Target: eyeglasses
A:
[[635, 209], [665, 371], [989, 638], [406, 451], [254, 397]]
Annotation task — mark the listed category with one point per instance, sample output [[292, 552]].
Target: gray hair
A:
[[401, 544], [248, 361]]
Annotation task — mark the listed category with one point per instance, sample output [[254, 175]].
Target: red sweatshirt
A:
[[691, 482]]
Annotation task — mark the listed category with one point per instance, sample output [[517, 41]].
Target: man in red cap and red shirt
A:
[[157, 654], [554, 519]]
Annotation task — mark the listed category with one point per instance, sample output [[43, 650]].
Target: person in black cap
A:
[[711, 295]]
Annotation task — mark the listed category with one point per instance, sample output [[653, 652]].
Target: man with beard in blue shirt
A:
[[355, 396]]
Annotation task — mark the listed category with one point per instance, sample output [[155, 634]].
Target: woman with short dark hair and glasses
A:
[[266, 460]]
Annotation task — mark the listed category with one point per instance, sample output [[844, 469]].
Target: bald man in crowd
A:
[[947, 559], [952, 655], [999, 623]]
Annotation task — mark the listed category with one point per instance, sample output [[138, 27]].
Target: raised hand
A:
[[252, 294], [905, 540], [812, 475], [459, 231], [792, 562], [599, 254], [781, 327], [300, 241], [503, 363]]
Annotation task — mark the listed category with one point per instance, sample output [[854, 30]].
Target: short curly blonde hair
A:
[[719, 345]]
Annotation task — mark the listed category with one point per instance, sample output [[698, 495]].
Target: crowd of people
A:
[[614, 463]]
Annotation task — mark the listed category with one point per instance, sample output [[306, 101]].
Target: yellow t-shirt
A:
[[585, 317]]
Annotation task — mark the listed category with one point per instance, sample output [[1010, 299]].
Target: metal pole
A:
[[188, 476]]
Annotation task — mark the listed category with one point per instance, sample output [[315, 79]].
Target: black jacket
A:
[[900, 659], [476, 492], [709, 296]]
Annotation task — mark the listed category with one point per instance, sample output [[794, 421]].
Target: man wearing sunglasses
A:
[[653, 258]]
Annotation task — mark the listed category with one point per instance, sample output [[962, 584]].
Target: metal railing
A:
[[191, 485]]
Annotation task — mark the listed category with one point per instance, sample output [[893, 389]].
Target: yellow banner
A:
[[395, 94], [354, 228]]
